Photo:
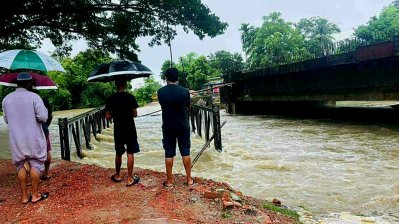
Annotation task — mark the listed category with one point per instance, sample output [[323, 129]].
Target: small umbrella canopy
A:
[[120, 68], [39, 81], [28, 59]]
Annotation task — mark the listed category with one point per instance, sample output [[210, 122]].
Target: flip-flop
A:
[[115, 180], [42, 197], [136, 179], [29, 199], [167, 186], [45, 177], [187, 184]]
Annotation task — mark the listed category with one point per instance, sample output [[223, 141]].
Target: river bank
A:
[[82, 193]]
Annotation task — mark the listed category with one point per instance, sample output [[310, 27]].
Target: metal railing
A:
[[207, 117], [80, 126], [92, 122]]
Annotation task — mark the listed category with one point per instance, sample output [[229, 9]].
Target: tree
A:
[[183, 64], [275, 42], [226, 62], [144, 94], [382, 27], [199, 71], [112, 26], [318, 33], [73, 89]]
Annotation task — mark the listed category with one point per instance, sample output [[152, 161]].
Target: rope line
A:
[[205, 146], [149, 113]]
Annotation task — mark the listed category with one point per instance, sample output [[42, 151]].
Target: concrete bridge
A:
[[370, 73]]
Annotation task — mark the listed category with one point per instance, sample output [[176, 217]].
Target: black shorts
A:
[[128, 139], [169, 142]]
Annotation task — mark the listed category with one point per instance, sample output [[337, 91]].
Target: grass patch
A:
[[226, 215], [281, 210]]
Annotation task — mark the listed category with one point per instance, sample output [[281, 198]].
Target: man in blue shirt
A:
[[175, 102]]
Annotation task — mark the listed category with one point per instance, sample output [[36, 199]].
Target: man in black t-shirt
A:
[[122, 107], [175, 102]]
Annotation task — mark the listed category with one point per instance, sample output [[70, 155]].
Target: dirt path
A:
[[85, 194]]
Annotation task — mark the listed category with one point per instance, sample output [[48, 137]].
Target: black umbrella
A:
[[118, 69]]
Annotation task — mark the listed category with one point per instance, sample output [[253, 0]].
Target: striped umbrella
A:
[[30, 60]]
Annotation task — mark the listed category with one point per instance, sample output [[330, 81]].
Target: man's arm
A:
[[49, 110], [134, 112], [40, 110], [135, 105]]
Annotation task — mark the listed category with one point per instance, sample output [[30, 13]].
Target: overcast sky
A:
[[347, 14]]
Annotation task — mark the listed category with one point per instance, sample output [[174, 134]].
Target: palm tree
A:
[[318, 31]]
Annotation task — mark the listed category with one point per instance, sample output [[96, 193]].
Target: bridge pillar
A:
[[262, 107]]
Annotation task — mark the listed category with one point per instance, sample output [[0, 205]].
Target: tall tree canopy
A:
[[318, 32], [382, 27], [194, 70], [110, 25], [226, 62], [73, 89], [273, 43]]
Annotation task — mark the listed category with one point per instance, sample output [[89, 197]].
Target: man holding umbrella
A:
[[24, 112], [122, 107]]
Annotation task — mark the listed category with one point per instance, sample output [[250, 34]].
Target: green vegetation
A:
[[73, 89], [108, 27], [381, 27], [112, 26], [145, 93], [281, 210], [318, 34], [273, 43], [226, 215], [196, 70]]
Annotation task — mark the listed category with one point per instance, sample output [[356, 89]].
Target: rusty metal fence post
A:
[[204, 119], [64, 138]]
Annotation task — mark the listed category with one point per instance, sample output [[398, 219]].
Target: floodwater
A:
[[322, 165]]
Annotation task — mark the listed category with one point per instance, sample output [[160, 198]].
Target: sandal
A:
[[29, 199], [113, 178], [167, 186], [136, 179], [42, 197]]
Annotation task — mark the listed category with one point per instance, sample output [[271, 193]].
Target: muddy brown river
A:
[[328, 167]]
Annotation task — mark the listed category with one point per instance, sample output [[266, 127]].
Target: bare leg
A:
[[130, 165], [22, 183], [118, 163], [47, 166], [187, 167], [35, 177], [169, 167]]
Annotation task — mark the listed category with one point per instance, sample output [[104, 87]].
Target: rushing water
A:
[[326, 166]]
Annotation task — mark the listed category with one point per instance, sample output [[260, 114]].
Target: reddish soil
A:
[[85, 194]]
